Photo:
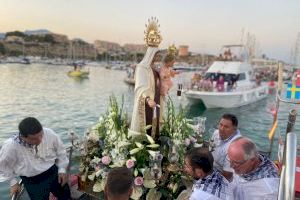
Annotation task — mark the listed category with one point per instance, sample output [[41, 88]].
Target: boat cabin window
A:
[[242, 76], [227, 77]]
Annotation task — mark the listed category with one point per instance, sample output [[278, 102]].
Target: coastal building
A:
[[14, 39], [134, 48], [104, 46], [264, 63], [183, 51], [59, 38]]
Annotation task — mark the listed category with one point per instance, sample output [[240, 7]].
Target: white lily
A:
[[123, 144], [134, 151], [92, 176], [136, 172], [96, 160], [153, 145], [152, 153], [139, 145], [150, 139], [133, 158], [198, 145]]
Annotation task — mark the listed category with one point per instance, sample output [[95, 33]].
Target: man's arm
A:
[[7, 161], [62, 160]]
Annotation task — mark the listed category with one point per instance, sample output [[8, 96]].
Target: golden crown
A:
[[152, 34], [172, 50]]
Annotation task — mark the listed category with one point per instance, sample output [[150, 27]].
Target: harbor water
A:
[[64, 103]]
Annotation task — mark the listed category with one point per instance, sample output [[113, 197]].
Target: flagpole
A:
[[275, 123]]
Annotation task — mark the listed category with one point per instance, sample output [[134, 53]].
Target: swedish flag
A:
[[293, 92]]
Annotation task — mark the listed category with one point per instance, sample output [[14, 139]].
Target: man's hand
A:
[[62, 179], [14, 189], [151, 103]]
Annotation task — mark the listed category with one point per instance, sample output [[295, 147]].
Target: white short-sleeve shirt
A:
[[220, 148], [261, 189]]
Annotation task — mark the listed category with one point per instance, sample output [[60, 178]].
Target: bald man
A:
[[256, 176]]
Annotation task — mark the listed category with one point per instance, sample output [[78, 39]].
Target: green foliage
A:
[[15, 53], [15, 33], [175, 125], [2, 49], [144, 154], [48, 38]]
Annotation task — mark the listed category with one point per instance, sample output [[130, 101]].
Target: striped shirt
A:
[[260, 184], [212, 187]]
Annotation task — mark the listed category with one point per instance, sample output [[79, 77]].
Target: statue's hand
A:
[[151, 103]]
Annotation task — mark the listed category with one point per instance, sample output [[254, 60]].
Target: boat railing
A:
[[287, 179]]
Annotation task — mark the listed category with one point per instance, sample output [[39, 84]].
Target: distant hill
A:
[[37, 32]]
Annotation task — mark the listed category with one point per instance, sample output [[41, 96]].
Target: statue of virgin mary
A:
[[146, 109]]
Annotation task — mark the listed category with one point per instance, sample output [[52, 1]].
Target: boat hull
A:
[[81, 74], [227, 99]]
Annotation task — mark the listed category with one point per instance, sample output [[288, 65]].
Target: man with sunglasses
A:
[[256, 176], [209, 184], [221, 139], [38, 156]]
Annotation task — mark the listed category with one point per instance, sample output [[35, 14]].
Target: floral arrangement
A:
[[156, 165]]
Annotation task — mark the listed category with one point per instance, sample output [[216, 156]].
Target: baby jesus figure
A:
[[166, 74]]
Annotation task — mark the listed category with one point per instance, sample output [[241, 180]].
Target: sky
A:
[[203, 25]]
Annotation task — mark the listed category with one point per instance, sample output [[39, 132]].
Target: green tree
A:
[[48, 38], [15, 33], [15, 53], [2, 49]]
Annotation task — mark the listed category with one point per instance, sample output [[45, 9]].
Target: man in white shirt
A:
[[256, 176], [220, 141], [38, 156], [119, 184], [209, 183]]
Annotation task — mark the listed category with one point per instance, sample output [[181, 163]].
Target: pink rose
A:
[[97, 168], [138, 181], [106, 160], [193, 140], [187, 141], [129, 163]]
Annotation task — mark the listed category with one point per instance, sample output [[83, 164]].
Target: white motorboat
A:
[[234, 67]]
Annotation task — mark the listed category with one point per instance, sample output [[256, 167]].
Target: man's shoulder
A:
[[200, 194], [49, 132], [9, 145], [236, 135], [215, 135]]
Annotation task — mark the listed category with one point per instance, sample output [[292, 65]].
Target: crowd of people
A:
[[232, 168], [207, 83]]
